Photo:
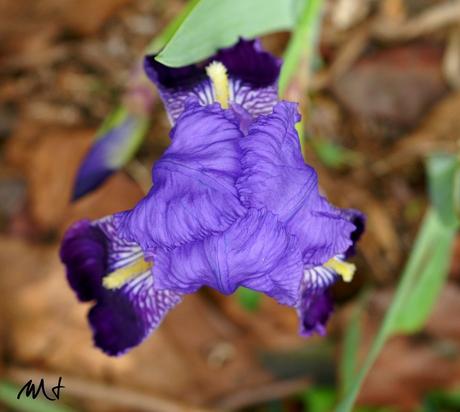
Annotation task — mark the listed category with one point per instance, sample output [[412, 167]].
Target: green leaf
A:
[[159, 41], [8, 397], [425, 271], [443, 172], [349, 355], [248, 299], [319, 399], [302, 43], [442, 401], [214, 24], [434, 241], [430, 275], [332, 154]]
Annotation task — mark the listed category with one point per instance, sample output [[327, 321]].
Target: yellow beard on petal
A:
[[217, 72], [344, 269], [120, 277]]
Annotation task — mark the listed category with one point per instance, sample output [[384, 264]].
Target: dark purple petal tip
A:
[[246, 60], [84, 253], [358, 219], [253, 77], [314, 312], [121, 318]]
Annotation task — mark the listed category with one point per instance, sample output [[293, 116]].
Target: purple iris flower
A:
[[232, 205]]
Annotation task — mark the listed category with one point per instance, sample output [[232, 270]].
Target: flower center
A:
[[217, 72], [120, 277], [344, 269]]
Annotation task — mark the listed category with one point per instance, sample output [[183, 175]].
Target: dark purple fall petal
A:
[[314, 312], [121, 318], [84, 252], [316, 303], [253, 76]]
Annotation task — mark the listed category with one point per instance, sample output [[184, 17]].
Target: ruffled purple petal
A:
[[256, 252], [194, 192], [275, 176], [253, 76], [359, 221], [124, 317]]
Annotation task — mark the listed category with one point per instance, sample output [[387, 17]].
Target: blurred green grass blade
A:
[[159, 41], [443, 172], [216, 24], [349, 355], [332, 154], [432, 230], [319, 399], [248, 299], [302, 43], [8, 397], [442, 401], [432, 272], [296, 68]]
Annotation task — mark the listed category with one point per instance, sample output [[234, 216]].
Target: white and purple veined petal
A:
[[316, 305], [121, 318], [253, 79]]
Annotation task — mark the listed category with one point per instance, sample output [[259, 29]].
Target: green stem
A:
[[302, 43]]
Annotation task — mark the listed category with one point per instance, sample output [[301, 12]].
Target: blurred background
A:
[[383, 95]]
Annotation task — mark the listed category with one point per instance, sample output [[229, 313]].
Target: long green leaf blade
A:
[[214, 24], [349, 356], [443, 171], [432, 273], [391, 324], [302, 43]]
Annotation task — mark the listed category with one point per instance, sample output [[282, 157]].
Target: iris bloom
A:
[[232, 205]]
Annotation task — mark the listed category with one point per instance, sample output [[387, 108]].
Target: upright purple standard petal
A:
[[255, 252], [275, 176], [121, 318], [253, 76], [194, 192]]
